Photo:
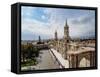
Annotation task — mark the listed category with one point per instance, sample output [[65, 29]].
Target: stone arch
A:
[[84, 62], [76, 59], [85, 59]]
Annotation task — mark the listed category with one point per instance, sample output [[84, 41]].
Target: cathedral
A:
[[74, 51], [62, 45]]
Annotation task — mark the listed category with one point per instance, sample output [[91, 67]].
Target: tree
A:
[[29, 52]]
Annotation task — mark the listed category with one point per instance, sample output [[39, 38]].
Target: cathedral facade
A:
[[74, 52], [62, 45]]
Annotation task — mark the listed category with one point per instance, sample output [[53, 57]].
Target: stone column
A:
[[92, 58], [73, 61]]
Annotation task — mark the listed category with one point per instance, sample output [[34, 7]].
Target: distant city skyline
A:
[[40, 21]]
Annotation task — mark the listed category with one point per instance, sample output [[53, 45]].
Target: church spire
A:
[[66, 23], [66, 39]]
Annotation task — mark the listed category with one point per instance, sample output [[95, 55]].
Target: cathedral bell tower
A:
[[66, 40]]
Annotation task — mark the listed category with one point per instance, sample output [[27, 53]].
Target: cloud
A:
[[43, 28], [43, 17], [83, 26], [83, 20], [27, 12], [45, 21]]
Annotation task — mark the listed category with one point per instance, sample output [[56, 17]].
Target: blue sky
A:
[[39, 21]]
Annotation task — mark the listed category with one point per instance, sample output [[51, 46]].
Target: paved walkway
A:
[[46, 60]]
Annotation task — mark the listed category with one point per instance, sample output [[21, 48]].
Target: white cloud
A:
[[56, 21], [37, 27], [43, 17], [82, 26], [27, 11]]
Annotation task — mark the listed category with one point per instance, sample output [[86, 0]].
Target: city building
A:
[[78, 54]]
